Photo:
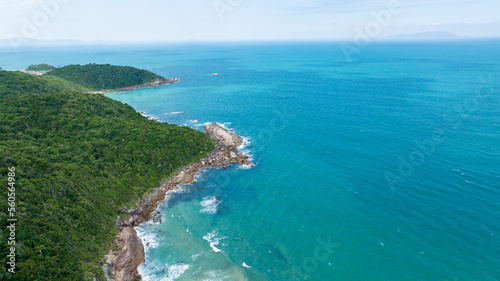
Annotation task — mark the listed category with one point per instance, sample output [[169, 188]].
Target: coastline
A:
[[142, 86], [122, 263]]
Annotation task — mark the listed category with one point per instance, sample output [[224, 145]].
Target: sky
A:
[[235, 20]]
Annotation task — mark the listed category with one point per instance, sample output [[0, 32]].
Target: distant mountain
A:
[[28, 42], [443, 35]]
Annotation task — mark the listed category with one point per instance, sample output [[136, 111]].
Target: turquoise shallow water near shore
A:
[[326, 135]]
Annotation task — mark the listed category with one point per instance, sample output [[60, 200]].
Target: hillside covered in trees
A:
[[14, 83], [78, 158], [104, 76]]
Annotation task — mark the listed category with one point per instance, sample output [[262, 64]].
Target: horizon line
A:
[[77, 42]]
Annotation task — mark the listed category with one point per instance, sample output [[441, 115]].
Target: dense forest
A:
[[40, 67], [104, 76], [78, 158], [13, 83]]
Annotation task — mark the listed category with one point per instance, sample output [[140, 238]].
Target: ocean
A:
[[386, 167]]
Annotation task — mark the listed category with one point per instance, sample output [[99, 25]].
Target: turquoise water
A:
[[384, 168]]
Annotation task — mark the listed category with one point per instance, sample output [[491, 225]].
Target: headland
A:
[[122, 263]]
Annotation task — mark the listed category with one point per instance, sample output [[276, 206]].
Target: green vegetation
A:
[[40, 67], [17, 83], [78, 158], [105, 76]]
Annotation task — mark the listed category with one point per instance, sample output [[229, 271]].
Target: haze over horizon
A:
[[220, 20]]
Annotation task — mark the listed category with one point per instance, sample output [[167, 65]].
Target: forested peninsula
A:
[[79, 158], [99, 77]]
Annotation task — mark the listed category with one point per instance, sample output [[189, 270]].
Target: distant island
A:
[[90, 78], [106, 77], [83, 160]]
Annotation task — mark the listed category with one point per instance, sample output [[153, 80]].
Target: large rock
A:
[[225, 137], [130, 256]]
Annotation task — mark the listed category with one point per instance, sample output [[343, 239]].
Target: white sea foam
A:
[[213, 240], [199, 175], [150, 117], [175, 112], [245, 151], [245, 144], [224, 125], [147, 237], [174, 271], [246, 166], [210, 204], [246, 265]]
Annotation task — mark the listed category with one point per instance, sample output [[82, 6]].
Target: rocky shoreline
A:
[[122, 264], [145, 85]]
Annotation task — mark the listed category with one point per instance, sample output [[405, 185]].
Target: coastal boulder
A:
[[130, 256], [185, 177], [221, 134]]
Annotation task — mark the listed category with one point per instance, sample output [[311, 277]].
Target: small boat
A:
[[216, 74]]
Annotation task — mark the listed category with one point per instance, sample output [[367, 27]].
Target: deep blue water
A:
[[383, 168]]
